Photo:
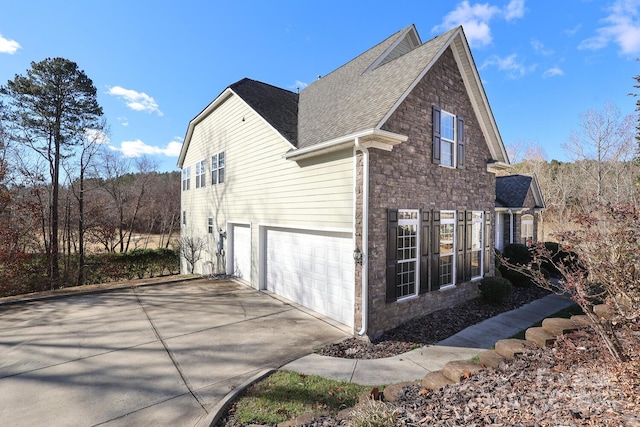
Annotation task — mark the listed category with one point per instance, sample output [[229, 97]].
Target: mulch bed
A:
[[431, 328]]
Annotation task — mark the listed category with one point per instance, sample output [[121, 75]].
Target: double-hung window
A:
[[201, 170], [448, 139], [407, 248], [447, 267], [527, 229], [217, 168], [476, 241], [186, 178], [210, 225]]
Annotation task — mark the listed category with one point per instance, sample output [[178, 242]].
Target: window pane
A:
[[446, 239], [447, 126], [446, 153]]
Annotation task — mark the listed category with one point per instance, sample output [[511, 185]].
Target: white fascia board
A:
[[495, 167], [386, 142]]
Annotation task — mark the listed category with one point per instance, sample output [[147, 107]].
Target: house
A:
[[367, 198], [519, 206]]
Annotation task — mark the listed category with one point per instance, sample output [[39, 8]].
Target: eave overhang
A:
[[372, 138]]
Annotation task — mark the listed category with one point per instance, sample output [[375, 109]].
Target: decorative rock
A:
[[558, 326], [582, 320], [392, 392], [539, 336], [603, 311], [508, 348], [460, 369], [490, 359], [435, 380]]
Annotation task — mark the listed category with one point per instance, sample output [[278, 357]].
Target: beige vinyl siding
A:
[[260, 186]]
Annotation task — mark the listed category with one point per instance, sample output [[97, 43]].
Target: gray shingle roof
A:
[[511, 190], [348, 100], [279, 107]]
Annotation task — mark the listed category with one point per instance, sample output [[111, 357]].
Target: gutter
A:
[[365, 235], [379, 138]]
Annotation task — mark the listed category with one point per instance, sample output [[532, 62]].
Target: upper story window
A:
[[217, 168], [201, 170], [186, 178], [448, 139]]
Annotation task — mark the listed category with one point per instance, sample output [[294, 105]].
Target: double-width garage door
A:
[[313, 269]]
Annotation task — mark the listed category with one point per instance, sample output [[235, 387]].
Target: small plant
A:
[[373, 413], [495, 290]]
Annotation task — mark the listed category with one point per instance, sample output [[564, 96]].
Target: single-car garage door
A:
[[241, 256], [313, 269]]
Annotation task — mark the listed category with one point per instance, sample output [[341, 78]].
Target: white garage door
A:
[[241, 252], [315, 270]]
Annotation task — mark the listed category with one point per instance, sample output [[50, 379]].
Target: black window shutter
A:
[[469, 243], [460, 142], [424, 251], [435, 250], [392, 254], [436, 134], [460, 245], [487, 241]]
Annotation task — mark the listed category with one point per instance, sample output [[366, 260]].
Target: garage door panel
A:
[[242, 252], [313, 269]]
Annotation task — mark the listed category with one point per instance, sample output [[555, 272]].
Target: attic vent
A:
[[403, 45]]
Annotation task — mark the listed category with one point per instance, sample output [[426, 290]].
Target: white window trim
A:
[[201, 173], [216, 168], [210, 227], [479, 220], [454, 261], [186, 178], [416, 260], [444, 140], [526, 223]]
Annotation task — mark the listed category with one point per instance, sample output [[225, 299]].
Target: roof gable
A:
[[279, 107], [512, 190], [362, 94]]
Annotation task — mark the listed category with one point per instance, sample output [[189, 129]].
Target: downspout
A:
[[365, 235]]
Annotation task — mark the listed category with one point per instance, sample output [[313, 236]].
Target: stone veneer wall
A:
[[406, 178]]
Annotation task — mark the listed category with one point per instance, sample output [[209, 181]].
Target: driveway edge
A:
[[94, 289], [218, 410]]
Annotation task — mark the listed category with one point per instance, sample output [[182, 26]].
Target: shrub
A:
[[517, 253], [495, 290]]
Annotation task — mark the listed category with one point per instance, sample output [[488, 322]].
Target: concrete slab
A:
[[158, 355], [325, 366], [386, 371]]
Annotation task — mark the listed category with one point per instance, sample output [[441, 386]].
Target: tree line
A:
[[63, 192]]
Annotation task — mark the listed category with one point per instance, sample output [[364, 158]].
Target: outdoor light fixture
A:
[[357, 256]]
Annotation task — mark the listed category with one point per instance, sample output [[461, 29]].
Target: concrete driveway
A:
[[160, 355]]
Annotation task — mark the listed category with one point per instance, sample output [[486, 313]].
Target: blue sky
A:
[[156, 65]]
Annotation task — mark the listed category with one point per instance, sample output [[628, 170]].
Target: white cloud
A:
[[540, 48], [553, 72], [510, 64], [475, 19], [123, 121], [137, 101], [138, 148], [8, 46], [514, 10], [299, 86], [621, 26], [97, 136]]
